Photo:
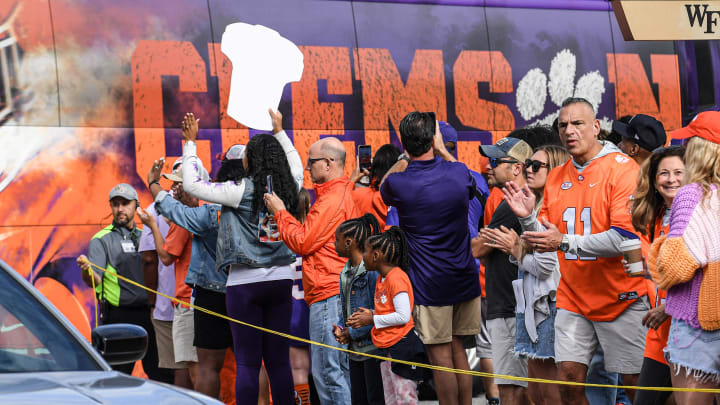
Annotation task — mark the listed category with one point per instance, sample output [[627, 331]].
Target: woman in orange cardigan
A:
[[686, 262]]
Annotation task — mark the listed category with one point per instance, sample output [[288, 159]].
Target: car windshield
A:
[[31, 338]]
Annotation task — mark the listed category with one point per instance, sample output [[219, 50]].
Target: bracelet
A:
[[153, 182]]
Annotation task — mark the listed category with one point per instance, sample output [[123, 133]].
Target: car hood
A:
[[92, 387]]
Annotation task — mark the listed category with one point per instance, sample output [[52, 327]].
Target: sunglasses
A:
[[535, 165], [310, 162], [495, 162]]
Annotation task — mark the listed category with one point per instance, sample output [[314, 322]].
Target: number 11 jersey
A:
[[590, 202]]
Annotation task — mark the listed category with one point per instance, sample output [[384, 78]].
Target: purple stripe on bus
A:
[[591, 5]]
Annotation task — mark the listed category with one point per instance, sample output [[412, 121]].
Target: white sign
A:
[[263, 63]]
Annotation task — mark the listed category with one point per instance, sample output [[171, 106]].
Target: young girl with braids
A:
[[393, 324], [357, 290]]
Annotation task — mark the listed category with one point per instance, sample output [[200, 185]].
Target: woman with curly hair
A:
[[260, 271], [686, 262], [660, 177]]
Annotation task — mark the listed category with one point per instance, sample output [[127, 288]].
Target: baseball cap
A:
[[644, 130], [234, 152], [176, 174], [507, 147], [125, 191], [449, 134], [706, 125]]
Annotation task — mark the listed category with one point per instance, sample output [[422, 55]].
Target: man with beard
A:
[[115, 248]]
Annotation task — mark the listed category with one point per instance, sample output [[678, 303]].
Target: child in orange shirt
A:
[[393, 324]]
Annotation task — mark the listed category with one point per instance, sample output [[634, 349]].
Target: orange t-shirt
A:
[[368, 201], [592, 202], [179, 243], [385, 290], [494, 199], [656, 340]]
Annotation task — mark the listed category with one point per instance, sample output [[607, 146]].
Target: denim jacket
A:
[[239, 241], [357, 289], [202, 223]]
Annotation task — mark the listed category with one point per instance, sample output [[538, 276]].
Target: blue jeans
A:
[[330, 368], [598, 375]]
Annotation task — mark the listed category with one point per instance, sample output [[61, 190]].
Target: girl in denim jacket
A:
[[357, 289]]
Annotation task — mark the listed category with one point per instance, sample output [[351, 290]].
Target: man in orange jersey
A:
[[314, 240], [586, 216]]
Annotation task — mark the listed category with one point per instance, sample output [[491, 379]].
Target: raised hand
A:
[[356, 173], [146, 218], [273, 203], [190, 127], [276, 117], [521, 200], [155, 170]]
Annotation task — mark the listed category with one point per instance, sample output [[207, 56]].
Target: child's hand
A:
[[362, 317], [341, 335]]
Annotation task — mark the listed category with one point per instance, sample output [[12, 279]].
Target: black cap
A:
[[644, 130]]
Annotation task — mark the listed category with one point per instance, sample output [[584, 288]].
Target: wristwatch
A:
[[404, 157], [564, 246]]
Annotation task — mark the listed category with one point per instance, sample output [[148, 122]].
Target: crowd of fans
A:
[[419, 258]]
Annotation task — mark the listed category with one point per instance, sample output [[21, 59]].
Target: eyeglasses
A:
[[535, 165], [495, 162], [310, 161]]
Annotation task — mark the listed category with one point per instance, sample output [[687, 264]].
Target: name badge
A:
[[128, 246]]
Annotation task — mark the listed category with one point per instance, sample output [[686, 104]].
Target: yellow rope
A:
[[410, 363], [92, 280]]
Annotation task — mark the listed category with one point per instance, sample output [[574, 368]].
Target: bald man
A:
[[314, 240]]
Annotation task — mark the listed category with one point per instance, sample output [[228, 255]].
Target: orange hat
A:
[[706, 125]]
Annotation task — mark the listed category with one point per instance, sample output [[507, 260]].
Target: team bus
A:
[[91, 92]]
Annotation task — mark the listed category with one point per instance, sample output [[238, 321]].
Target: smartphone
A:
[[269, 184], [365, 156]]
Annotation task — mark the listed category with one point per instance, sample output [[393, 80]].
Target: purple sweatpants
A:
[[267, 304]]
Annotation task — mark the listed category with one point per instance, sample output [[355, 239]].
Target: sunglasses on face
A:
[[495, 162], [310, 162], [535, 165]]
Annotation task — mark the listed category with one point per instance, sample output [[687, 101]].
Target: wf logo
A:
[[702, 17], [533, 89]]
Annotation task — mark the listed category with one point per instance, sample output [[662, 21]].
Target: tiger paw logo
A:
[[559, 83]]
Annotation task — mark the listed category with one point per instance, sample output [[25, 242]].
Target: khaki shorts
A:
[[163, 337], [437, 325], [183, 333], [483, 342], [622, 339], [502, 333]]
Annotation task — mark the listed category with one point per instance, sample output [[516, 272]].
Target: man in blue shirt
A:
[[431, 192]]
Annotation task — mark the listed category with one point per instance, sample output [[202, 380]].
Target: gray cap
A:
[[125, 191], [507, 147]]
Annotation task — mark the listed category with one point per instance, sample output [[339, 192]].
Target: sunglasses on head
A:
[[535, 165], [495, 162]]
